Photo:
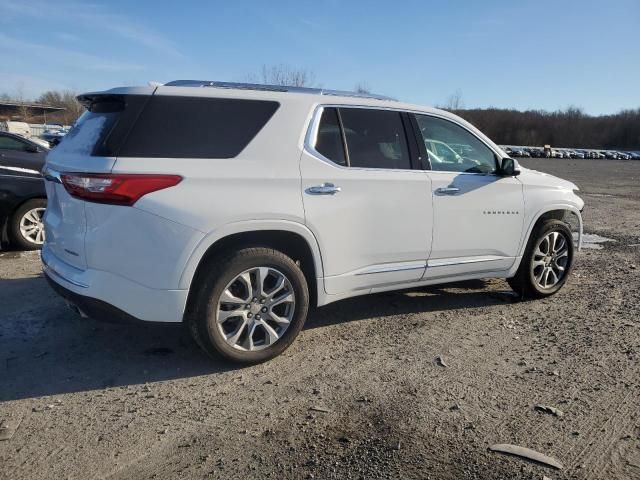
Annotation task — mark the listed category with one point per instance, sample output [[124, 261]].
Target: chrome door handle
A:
[[447, 191], [324, 189]]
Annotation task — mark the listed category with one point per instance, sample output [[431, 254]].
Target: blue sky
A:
[[543, 54]]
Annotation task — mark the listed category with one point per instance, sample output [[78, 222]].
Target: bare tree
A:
[[454, 102], [283, 75], [23, 104], [64, 99], [362, 87]]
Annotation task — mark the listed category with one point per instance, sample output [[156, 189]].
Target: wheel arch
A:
[[559, 212], [292, 238]]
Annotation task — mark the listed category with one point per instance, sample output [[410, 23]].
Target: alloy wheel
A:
[[255, 309], [550, 260], [31, 226]]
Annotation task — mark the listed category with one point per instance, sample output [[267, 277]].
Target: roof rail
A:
[[273, 88]]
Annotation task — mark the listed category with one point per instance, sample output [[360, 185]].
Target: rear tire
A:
[[547, 261], [26, 231], [249, 305]]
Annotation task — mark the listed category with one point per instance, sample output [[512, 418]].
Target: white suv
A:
[[236, 207]]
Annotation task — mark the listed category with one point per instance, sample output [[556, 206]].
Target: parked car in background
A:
[[41, 142], [54, 136], [634, 155], [537, 152], [622, 156], [17, 128], [22, 193], [610, 155], [199, 202]]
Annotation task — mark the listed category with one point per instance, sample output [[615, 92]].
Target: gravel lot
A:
[[361, 393]]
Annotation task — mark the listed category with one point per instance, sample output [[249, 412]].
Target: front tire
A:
[[26, 230], [249, 305], [547, 261]]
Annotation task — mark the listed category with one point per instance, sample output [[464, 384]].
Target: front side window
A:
[[375, 138], [451, 148], [8, 143]]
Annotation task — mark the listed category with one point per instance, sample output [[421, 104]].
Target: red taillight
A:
[[117, 189]]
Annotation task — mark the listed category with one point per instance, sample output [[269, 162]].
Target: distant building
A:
[[28, 112]]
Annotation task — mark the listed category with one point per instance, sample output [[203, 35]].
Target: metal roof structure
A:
[[274, 88], [37, 106]]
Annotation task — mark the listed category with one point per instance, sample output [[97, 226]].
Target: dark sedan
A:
[[23, 199]]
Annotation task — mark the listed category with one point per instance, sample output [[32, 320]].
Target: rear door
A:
[[477, 214], [90, 146], [369, 210]]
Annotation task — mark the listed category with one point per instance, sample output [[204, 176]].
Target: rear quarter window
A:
[[195, 127]]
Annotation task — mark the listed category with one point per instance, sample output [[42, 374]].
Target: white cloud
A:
[[76, 14], [67, 37], [62, 56], [27, 86]]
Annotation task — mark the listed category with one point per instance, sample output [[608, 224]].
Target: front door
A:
[[370, 212], [477, 215]]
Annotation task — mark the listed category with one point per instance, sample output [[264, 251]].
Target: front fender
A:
[[548, 208]]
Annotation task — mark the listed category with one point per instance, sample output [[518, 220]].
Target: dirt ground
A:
[[361, 393]]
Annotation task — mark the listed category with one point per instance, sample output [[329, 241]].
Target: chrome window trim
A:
[[311, 137]]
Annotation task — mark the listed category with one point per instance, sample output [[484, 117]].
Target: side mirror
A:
[[509, 167], [32, 148]]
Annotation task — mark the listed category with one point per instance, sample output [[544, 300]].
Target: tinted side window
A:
[[329, 138], [375, 138], [9, 143], [451, 148], [192, 127]]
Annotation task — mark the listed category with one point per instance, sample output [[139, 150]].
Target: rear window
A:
[[167, 127], [101, 129], [192, 127]]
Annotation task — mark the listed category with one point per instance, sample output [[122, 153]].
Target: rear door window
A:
[[375, 138], [329, 138]]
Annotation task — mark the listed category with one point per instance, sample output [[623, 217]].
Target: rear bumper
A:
[[106, 296], [92, 307]]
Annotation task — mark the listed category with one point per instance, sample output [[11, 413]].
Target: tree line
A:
[[567, 128], [65, 99], [563, 128]]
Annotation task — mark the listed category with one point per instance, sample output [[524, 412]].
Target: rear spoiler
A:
[[86, 99]]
